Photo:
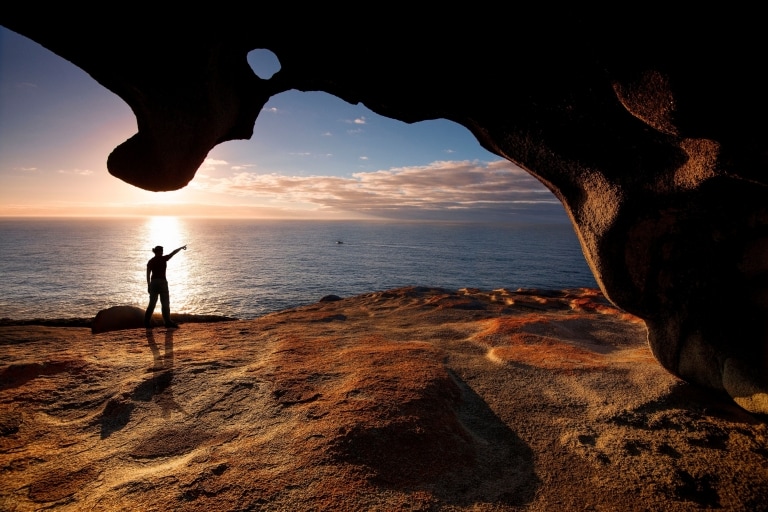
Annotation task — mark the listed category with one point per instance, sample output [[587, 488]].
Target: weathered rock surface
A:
[[649, 127], [415, 399]]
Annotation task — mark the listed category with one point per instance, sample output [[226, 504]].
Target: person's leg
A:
[[153, 292], [165, 305]]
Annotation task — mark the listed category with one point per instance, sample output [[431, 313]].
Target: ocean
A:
[[74, 267]]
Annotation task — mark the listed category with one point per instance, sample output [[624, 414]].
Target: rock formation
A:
[[647, 127]]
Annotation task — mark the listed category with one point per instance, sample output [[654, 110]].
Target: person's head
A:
[[158, 250]]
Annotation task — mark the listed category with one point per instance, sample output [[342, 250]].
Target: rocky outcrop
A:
[[648, 128], [408, 399]]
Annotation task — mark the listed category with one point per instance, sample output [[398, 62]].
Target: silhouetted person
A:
[[157, 284]]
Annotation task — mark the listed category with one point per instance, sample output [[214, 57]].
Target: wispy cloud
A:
[[357, 120], [310, 154], [211, 163], [438, 187], [242, 167], [76, 172]]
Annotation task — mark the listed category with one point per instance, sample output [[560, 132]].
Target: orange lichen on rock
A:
[[546, 353], [506, 342], [589, 304], [546, 341]]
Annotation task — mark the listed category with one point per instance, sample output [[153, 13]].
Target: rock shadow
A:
[[17, 375], [503, 472], [689, 419], [694, 402], [115, 416]]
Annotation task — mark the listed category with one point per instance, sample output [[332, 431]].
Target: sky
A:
[[311, 156]]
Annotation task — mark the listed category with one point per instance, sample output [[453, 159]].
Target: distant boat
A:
[[339, 242]]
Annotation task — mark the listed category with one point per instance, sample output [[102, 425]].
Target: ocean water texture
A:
[[67, 268]]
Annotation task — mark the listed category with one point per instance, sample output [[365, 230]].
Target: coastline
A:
[[86, 322]]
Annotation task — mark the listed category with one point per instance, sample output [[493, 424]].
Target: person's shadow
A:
[[158, 388], [118, 410]]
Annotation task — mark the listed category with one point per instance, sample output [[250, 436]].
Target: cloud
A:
[[310, 154], [210, 165], [358, 120], [363, 158], [272, 110], [407, 192], [76, 172], [242, 167], [213, 162]]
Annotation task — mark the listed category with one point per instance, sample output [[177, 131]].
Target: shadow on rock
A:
[[158, 388], [503, 470], [117, 412], [116, 415]]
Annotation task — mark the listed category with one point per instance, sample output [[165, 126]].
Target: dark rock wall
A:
[[647, 125]]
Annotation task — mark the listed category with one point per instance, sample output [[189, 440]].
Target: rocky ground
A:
[[409, 399]]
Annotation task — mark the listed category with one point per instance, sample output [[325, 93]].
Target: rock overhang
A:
[[648, 130]]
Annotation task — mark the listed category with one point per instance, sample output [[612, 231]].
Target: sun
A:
[[166, 230]]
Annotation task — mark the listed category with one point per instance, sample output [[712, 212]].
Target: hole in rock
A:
[[264, 63]]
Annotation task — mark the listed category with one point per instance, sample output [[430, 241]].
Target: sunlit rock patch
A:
[[388, 408]]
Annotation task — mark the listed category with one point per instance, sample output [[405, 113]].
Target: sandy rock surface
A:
[[409, 399]]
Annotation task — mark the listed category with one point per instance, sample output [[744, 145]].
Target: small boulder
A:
[[117, 318]]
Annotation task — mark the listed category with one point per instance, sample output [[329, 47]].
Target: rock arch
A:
[[648, 129]]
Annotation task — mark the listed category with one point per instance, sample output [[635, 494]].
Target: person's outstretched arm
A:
[[177, 250]]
